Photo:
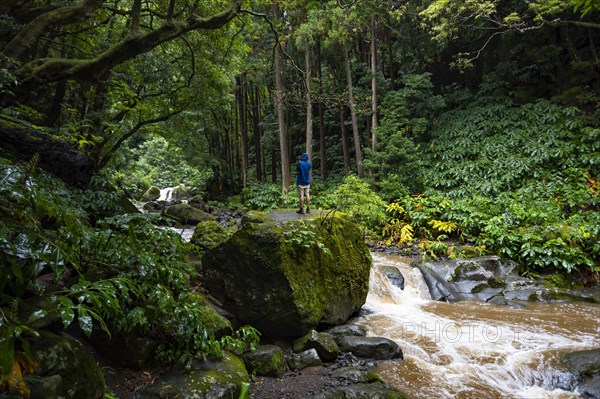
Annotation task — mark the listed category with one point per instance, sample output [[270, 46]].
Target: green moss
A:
[[288, 277], [479, 288], [496, 283], [208, 235], [558, 280], [216, 324]]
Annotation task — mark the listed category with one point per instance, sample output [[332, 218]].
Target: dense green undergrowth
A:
[[519, 181], [118, 273]]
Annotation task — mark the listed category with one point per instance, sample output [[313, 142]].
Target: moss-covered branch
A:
[[47, 70], [40, 25], [55, 155]]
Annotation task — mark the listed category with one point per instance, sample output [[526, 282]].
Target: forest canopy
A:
[[464, 102]]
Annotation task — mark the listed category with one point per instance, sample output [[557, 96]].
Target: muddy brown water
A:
[[472, 349]]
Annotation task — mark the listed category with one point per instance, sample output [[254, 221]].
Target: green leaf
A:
[[85, 320]]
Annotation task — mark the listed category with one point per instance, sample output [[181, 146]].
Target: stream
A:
[[472, 349]]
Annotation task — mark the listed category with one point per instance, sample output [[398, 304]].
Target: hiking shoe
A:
[[300, 211], [307, 210]]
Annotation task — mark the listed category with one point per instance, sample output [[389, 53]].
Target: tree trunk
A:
[[241, 81], [355, 133], [257, 132], [345, 146], [283, 142], [390, 49], [373, 83], [322, 153], [309, 110]]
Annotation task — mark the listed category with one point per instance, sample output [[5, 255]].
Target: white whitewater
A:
[[471, 349]]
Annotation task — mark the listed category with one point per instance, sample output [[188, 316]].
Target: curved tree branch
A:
[[48, 70], [23, 42]]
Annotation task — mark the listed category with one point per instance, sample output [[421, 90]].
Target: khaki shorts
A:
[[304, 190]]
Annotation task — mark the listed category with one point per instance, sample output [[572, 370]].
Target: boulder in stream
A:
[[285, 275], [187, 214], [586, 366], [371, 347], [152, 194]]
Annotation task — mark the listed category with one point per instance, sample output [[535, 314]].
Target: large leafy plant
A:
[[120, 273]]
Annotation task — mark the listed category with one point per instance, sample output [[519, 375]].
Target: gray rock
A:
[[302, 360], [266, 360], [375, 390], [371, 347], [586, 366], [344, 330], [323, 343], [129, 351], [353, 374], [394, 275]]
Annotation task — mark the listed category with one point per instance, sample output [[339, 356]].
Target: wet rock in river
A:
[[371, 347], [266, 360]]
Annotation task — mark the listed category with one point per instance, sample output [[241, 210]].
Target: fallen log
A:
[[55, 155]]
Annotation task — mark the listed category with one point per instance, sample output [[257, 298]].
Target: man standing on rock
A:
[[303, 180]]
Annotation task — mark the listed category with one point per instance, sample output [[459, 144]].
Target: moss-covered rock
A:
[[287, 277], [266, 360], [323, 343], [210, 379], [180, 193], [187, 214], [215, 324], [67, 371], [208, 235], [586, 367], [152, 194]]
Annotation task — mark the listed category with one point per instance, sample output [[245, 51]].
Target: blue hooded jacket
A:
[[303, 167]]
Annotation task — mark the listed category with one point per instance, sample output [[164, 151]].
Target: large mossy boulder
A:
[[67, 370], [187, 214], [208, 235], [152, 194], [286, 277]]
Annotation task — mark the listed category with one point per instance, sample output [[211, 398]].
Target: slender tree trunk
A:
[[309, 110], [373, 83], [228, 159], [236, 136], [322, 153], [592, 44], [257, 133], [283, 142], [355, 133], [390, 49], [243, 128], [344, 134]]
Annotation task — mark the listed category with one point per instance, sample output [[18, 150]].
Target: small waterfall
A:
[[472, 349], [166, 194]]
